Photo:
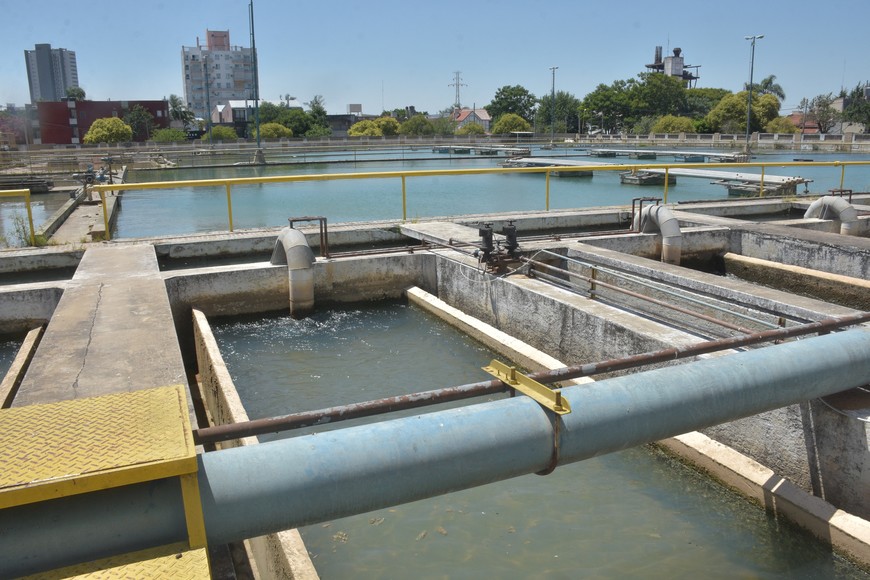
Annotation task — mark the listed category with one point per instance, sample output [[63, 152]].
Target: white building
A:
[[50, 72], [216, 73]]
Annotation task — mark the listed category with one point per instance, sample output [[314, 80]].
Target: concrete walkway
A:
[[112, 331]]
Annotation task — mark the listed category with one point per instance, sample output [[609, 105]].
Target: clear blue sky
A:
[[388, 54]]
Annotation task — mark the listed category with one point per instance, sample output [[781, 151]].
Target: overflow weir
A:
[[126, 339]]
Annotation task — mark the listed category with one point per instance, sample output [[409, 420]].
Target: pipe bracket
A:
[[548, 398]]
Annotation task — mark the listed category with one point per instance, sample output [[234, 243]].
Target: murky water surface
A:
[[633, 514]]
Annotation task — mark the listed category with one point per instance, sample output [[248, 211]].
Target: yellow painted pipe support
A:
[[545, 396]]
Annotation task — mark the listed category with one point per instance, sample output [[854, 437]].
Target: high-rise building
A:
[[50, 72], [216, 73]]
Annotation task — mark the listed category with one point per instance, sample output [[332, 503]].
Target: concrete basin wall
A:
[[280, 555]]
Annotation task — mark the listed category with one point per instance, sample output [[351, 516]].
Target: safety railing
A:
[[25, 193], [404, 175]]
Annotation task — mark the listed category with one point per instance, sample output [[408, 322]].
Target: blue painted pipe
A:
[[250, 491]]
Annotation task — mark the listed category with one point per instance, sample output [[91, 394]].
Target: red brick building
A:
[[67, 122]]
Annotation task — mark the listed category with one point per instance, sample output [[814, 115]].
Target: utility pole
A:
[[256, 79], [751, 70], [553, 106], [457, 82]]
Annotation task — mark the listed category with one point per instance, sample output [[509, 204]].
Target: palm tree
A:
[[767, 86], [179, 112]]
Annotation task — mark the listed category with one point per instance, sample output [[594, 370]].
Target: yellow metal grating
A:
[[156, 563], [83, 445]]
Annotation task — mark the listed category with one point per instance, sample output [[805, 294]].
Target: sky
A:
[[387, 54]]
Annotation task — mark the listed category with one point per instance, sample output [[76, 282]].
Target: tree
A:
[[223, 133], [75, 93], [388, 126], [607, 104], [317, 110], [108, 130], [418, 125], [13, 124], [169, 136], [781, 125], [274, 131], [269, 112], [141, 121], [318, 131], [512, 99], [700, 101], [656, 94], [765, 109], [857, 108], [823, 112], [729, 115], [445, 125], [471, 129], [672, 124], [510, 122], [296, 120], [767, 86], [179, 112], [566, 117], [365, 128]]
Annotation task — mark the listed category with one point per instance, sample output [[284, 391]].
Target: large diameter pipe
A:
[[254, 490], [831, 207], [658, 218], [292, 249]]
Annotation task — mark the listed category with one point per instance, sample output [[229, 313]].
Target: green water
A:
[[633, 514], [8, 350]]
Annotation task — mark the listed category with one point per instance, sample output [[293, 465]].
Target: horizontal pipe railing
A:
[[254, 490], [403, 175], [277, 424]]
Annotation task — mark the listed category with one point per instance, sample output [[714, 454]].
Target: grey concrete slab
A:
[[112, 331], [443, 232]]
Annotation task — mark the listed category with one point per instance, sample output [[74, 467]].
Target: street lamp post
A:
[[553, 107], [751, 70]]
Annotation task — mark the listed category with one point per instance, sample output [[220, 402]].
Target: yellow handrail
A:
[[404, 174], [26, 194]]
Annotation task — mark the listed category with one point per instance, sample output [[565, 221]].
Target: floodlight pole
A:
[[553, 106], [751, 70]]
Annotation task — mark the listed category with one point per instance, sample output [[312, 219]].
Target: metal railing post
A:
[[761, 184], [842, 175], [548, 191], [30, 217], [105, 214], [230, 205], [667, 180], [404, 201]]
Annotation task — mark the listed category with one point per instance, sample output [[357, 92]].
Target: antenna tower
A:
[[457, 82]]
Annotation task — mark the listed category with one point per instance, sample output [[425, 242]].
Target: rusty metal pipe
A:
[[639, 296], [426, 398]]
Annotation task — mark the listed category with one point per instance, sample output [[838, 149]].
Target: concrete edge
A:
[[846, 533], [15, 374], [279, 555], [53, 223], [856, 284], [516, 350]]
